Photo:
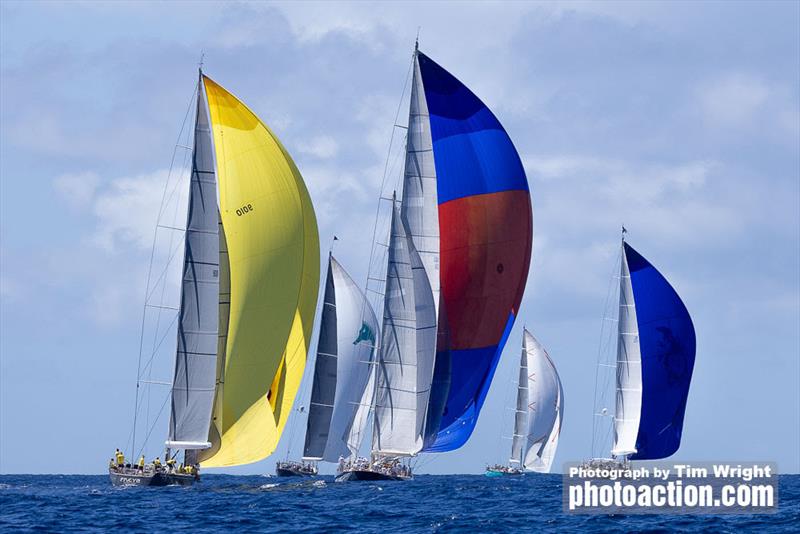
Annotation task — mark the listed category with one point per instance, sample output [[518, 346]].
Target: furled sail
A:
[[347, 341], [196, 358], [545, 406], [666, 343], [404, 371], [273, 253], [485, 238]]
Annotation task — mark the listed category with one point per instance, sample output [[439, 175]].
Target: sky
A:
[[679, 120]]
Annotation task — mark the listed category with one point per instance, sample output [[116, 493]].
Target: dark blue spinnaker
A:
[[667, 344]]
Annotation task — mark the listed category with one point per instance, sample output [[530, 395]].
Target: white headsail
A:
[[545, 406], [629, 369], [404, 371], [196, 358], [347, 341]]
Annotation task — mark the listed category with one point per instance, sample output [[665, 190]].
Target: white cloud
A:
[[128, 209], [620, 179], [321, 146], [77, 189], [580, 202], [733, 100]]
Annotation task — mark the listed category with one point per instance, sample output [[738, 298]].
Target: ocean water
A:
[[452, 503]]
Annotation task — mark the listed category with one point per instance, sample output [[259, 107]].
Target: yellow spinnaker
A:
[[273, 253]]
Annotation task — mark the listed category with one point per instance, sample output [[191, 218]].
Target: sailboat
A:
[[654, 362], [458, 256], [248, 295], [341, 390], [538, 415]]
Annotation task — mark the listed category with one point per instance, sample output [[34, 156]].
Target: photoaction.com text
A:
[[679, 488]]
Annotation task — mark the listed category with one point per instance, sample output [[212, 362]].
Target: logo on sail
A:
[[365, 334]]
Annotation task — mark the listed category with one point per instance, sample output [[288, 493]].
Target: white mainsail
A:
[[545, 406], [347, 341], [196, 358], [629, 369], [419, 207], [520, 411], [404, 372]]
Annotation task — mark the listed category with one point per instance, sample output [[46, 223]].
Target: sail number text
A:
[[244, 209]]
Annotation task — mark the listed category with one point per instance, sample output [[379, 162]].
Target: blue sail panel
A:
[[472, 379], [667, 344], [473, 154], [485, 228]]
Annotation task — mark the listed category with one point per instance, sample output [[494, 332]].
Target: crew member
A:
[[156, 464], [140, 465], [120, 459]]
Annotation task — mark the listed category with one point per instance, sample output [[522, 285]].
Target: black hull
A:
[[366, 475], [150, 479], [284, 472]]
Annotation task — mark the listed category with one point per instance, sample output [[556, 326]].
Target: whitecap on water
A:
[[319, 484], [5, 486], [268, 486]]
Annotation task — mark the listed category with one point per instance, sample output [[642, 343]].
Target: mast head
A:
[[200, 63], [624, 231]]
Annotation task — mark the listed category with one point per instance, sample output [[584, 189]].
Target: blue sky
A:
[[681, 120]]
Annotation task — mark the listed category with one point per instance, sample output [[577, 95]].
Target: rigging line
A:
[[150, 269], [375, 227], [160, 313], [600, 353], [150, 431], [164, 271], [160, 342], [171, 256]]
